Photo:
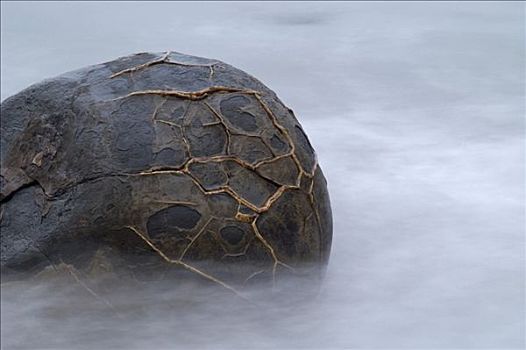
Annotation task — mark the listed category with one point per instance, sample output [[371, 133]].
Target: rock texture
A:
[[155, 162]]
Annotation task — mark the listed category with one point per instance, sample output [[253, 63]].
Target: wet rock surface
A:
[[160, 162]]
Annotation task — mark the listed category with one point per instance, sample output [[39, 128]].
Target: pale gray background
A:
[[417, 113]]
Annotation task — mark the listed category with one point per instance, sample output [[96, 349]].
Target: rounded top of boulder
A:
[[186, 158]]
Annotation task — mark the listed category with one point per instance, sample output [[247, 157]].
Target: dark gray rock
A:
[[159, 162]]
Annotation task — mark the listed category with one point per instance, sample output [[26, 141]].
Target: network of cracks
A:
[[249, 177]]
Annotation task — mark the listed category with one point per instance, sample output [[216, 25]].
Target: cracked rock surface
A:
[[157, 162]]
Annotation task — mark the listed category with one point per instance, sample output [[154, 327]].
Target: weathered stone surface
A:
[[159, 161]]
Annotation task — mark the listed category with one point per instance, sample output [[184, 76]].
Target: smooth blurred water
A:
[[417, 113]]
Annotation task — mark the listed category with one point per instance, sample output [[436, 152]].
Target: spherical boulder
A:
[[158, 162]]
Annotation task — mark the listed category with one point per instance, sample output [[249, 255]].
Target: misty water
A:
[[416, 111]]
